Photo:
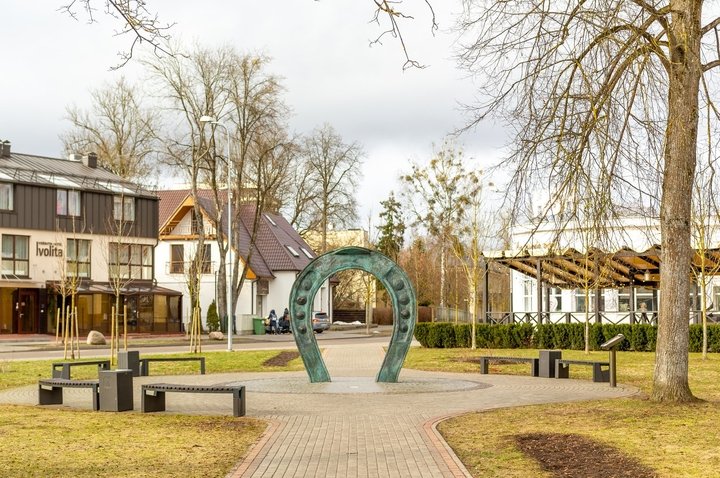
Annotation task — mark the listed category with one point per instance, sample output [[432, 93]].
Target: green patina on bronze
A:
[[388, 273]]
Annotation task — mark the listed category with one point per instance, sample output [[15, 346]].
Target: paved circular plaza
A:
[[354, 426]]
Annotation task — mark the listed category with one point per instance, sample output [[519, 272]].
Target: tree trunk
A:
[[221, 290], [671, 360]]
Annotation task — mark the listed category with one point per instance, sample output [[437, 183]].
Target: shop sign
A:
[[48, 249]]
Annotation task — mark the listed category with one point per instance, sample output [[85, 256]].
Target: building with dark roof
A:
[[68, 226], [278, 255]]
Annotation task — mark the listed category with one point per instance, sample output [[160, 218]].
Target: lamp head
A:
[[207, 119]]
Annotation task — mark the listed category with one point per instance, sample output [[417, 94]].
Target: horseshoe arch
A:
[[388, 273]]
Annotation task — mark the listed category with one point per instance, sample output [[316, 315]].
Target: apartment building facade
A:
[[71, 228]]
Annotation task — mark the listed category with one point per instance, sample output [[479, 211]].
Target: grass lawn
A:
[[48, 442], [672, 440]]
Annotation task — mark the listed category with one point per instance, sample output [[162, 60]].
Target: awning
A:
[[132, 288], [597, 269]]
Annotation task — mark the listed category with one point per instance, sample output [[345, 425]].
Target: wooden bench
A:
[[50, 390], [153, 395], [145, 363], [62, 369], [534, 363], [562, 369]]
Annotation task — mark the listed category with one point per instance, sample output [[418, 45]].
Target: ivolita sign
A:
[[48, 249]]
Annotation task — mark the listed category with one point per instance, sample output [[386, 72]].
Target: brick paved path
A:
[[354, 427]]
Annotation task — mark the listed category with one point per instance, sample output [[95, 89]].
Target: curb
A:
[[255, 455], [446, 454]]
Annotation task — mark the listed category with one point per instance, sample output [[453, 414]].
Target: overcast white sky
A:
[[321, 48]]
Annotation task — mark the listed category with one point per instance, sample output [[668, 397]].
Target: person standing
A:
[[273, 322]]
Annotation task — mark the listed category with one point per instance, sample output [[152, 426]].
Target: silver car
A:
[[320, 322]]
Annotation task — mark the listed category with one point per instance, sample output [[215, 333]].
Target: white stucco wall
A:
[[44, 267]]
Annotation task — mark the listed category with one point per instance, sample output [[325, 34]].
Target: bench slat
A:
[[534, 363], [145, 363], [153, 395]]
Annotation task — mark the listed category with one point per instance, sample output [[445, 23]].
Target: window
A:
[[15, 255], [6, 196], [124, 208], [78, 258], [131, 261], [555, 299], [177, 259], [206, 262], [68, 203], [580, 305], [528, 287], [307, 254], [293, 251]]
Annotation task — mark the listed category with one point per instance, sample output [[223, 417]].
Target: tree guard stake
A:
[[392, 277]]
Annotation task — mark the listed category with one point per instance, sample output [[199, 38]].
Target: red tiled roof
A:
[[270, 253], [169, 202]]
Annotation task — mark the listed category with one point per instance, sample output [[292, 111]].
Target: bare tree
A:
[[603, 97], [118, 129], [118, 251], [135, 19], [144, 26], [333, 173], [238, 93], [437, 194]]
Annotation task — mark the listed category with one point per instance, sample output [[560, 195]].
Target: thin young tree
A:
[[436, 195], [705, 234], [467, 245], [603, 97], [118, 257]]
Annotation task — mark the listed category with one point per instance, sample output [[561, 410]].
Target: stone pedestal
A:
[[130, 360], [547, 362], [116, 390]]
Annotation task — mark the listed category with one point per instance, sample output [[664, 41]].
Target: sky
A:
[[321, 48]]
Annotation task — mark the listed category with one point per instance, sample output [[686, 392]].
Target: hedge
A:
[[640, 337]]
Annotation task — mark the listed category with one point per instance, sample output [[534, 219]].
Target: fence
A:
[[615, 318]]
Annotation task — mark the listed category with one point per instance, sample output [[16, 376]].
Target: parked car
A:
[[320, 322]]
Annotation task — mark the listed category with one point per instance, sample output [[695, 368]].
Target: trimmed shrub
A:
[[639, 337], [212, 319]]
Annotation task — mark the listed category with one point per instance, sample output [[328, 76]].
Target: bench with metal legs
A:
[[153, 395], [50, 391], [601, 370]]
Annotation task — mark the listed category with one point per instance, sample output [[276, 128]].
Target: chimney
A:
[[5, 153], [90, 160], [74, 157]]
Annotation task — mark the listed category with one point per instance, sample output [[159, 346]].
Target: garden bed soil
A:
[[569, 456], [281, 359]]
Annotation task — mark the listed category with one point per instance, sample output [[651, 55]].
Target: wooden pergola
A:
[[596, 269]]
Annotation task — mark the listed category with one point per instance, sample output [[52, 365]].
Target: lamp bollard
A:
[[611, 345]]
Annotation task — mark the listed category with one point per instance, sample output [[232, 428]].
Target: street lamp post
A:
[[228, 268]]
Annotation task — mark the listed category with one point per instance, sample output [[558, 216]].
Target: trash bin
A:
[[258, 326], [547, 362], [116, 390], [130, 359]]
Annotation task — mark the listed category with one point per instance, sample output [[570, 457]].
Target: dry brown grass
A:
[[61, 443], [672, 440]]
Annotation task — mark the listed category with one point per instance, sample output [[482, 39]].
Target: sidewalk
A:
[[354, 426]]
